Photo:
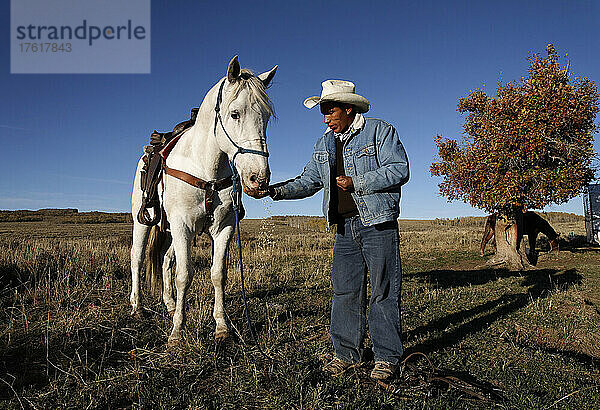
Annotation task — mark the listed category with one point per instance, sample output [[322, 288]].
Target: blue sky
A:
[[74, 140]]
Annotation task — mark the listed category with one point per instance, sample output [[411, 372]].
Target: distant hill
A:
[[73, 216], [551, 217], [67, 216]]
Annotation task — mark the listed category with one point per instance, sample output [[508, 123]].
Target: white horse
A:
[[230, 126]]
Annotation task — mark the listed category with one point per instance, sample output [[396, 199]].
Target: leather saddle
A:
[[152, 170], [162, 138]]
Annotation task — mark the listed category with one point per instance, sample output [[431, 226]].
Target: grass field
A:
[[511, 339]]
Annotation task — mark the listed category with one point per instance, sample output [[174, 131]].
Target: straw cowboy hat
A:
[[339, 91]]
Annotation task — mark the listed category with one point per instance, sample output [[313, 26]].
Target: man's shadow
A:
[[450, 278], [473, 320]]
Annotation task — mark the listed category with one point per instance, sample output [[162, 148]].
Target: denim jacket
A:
[[375, 159]]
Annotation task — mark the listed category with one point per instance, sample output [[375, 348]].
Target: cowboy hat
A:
[[339, 91]]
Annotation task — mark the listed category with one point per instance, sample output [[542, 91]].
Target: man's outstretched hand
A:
[[258, 194], [345, 183]]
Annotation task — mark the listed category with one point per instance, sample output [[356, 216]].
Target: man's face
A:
[[336, 118]]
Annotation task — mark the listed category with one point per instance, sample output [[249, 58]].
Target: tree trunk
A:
[[510, 249]]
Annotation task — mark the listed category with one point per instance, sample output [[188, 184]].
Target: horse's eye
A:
[[235, 115]]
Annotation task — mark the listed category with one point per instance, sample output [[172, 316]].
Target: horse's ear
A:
[[267, 76], [233, 71]]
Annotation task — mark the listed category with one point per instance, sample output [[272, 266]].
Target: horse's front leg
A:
[[218, 275], [533, 256], [138, 247], [182, 238]]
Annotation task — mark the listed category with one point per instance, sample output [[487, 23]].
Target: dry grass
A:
[[67, 338]]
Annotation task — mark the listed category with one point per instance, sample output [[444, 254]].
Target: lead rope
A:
[[236, 198]]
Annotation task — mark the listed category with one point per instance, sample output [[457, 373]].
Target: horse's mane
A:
[[256, 89]]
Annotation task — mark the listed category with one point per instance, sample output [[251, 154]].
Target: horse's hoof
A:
[[221, 336], [173, 341]]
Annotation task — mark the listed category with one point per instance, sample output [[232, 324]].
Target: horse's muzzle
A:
[[258, 183]]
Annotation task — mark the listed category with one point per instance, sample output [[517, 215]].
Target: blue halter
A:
[[240, 150]]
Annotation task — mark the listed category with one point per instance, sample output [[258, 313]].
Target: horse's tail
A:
[[154, 259]]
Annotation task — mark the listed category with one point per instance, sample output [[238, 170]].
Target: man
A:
[[361, 165]]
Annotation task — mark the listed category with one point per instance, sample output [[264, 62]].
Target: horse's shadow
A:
[[476, 319], [28, 364], [284, 296], [272, 291], [13, 276]]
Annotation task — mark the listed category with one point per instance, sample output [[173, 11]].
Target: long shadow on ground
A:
[[450, 278], [469, 321]]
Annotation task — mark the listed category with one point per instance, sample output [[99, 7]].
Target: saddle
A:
[[152, 171]]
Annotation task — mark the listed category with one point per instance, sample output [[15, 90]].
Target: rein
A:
[[236, 197]]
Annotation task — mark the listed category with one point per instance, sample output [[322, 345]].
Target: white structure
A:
[[591, 207]]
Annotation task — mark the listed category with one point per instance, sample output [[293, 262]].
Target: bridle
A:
[[218, 119]]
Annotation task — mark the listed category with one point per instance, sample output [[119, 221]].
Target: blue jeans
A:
[[359, 249]]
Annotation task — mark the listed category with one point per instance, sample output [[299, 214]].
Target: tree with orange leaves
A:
[[530, 146]]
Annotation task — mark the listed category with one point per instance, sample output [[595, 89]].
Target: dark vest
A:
[[341, 200]]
